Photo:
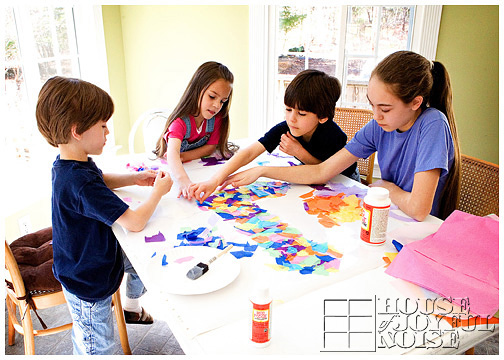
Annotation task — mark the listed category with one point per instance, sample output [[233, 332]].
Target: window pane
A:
[[359, 69], [308, 33], [47, 70], [42, 32], [394, 29], [66, 68], [323, 64], [60, 18], [291, 64], [361, 30]]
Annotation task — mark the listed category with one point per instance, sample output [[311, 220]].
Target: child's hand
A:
[[243, 178], [145, 178], [289, 144], [163, 183], [184, 189], [202, 190]]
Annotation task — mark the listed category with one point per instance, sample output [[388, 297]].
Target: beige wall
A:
[[154, 50], [469, 48]]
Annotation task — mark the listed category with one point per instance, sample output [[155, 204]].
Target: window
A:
[[41, 42], [344, 41]]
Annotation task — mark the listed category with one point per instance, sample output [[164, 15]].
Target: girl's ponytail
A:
[[441, 98]]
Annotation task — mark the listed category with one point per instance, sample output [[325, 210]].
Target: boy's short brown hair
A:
[[65, 102], [314, 91]]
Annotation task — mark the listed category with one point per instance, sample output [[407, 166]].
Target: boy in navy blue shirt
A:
[[72, 115], [309, 132]]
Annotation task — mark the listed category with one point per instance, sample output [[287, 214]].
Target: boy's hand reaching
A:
[[245, 177], [289, 145], [162, 183], [202, 190], [145, 178]]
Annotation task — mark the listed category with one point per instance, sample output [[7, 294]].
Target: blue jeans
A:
[[93, 325], [134, 286]]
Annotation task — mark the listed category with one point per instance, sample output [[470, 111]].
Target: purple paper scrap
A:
[[159, 237]]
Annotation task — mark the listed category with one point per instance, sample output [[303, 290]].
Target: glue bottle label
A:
[[261, 323], [374, 223]]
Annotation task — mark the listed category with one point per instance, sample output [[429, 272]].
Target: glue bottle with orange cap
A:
[[261, 302]]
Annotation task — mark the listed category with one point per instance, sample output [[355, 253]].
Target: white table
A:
[[218, 322]]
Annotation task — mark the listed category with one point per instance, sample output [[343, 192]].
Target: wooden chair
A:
[[19, 297], [351, 121], [479, 190]]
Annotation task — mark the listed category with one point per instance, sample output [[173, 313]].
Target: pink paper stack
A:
[[460, 260]]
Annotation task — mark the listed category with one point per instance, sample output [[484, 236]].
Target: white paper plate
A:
[[172, 278]]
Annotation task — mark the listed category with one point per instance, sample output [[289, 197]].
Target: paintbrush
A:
[[202, 268]]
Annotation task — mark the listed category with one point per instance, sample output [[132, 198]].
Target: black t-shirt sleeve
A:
[[271, 139], [326, 141]]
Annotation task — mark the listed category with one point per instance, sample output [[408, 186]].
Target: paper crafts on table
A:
[[291, 250], [460, 260], [334, 203]]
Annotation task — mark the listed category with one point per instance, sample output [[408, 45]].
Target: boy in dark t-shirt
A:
[[72, 115], [308, 133]]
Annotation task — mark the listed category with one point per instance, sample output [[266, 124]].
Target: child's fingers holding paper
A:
[[163, 182]]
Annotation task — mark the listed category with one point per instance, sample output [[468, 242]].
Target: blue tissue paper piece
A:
[[241, 254]]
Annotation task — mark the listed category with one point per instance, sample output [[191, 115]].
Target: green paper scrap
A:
[[310, 261], [274, 252]]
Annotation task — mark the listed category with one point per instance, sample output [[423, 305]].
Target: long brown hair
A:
[[189, 104], [409, 75]]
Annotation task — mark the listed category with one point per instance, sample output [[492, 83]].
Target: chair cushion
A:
[[34, 255]]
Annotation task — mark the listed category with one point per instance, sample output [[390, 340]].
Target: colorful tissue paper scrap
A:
[[159, 237], [334, 203], [204, 237], [199, 236], [141, 167], [211, 161]]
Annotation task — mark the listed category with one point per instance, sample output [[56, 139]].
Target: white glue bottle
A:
[[375, 211], [261, 302]]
